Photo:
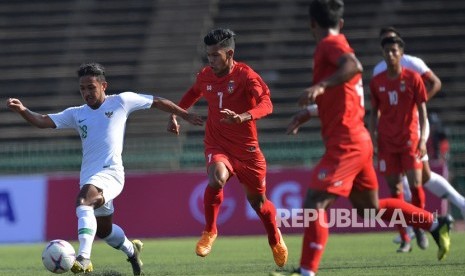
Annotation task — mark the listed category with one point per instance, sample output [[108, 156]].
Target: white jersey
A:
[[102, 130], [410, 62]]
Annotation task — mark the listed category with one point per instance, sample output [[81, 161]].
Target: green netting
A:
[[175, 153], [147, 154]]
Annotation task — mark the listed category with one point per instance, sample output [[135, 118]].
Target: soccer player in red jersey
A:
[[346, 168], [433, 182], [237, 97], [398, 97]]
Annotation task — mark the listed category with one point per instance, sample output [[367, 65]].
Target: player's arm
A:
[[422, 115], [432, 83], [260, 92], [35, 119], [188, 100], [348, 67], [300, 118], [170, 107]]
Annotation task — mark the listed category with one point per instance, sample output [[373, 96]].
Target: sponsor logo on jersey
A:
[[209, 87], [109, 114], [382, 89], [80, 121]]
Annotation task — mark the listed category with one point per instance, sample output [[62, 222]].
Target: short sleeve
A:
[[65, 118], [135, 101]]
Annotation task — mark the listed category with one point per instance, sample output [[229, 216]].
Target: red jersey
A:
[[340, 108], [397, 101], [242, 90]]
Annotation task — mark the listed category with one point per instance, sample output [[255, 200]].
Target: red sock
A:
[[315, 238], [414, 216], [418, 196], [267, 214], [212, 201], [402, 230]]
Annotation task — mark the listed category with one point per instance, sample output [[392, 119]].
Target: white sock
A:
[[306, 272], [406, 188], [439, 186], [118, 240], [87, 227]]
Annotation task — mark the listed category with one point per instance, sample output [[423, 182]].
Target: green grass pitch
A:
[[346, 254]]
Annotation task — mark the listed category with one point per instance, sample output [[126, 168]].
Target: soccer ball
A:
[[58, 256]]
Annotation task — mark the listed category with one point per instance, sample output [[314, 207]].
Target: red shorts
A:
[[345, 167], [251, 172], [398, 162]]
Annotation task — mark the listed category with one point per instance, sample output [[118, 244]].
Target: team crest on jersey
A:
[[382, 89], [402, 86], [109, 114], [230, 86], [209, 87]]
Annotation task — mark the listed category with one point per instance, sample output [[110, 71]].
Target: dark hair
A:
[[221, 37], [388, 29], [393, 40], [327, 13], [92, 69]]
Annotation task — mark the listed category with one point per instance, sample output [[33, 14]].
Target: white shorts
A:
[[111, 182]]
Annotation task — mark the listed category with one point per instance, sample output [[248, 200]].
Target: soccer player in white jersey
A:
[[101, 125], [432, 181]]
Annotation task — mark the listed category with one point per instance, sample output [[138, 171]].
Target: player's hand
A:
[[232, 117], [421, 149], [173, 125], [15, 105], [297, 120], [309, 95]]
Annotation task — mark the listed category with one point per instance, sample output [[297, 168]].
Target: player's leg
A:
[[414, 216], [218, 175], [414, 172], [420, 218], [339, 165], [390, 166], [266, 211], [219, 170], [394, 182], [407, 198], [89, 197], [114, 236], [252, 175], [317, 233], [441, 188], [406, 189], [416, 188]]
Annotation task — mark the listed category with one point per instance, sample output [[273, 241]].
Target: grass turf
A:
[[346, 254]]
